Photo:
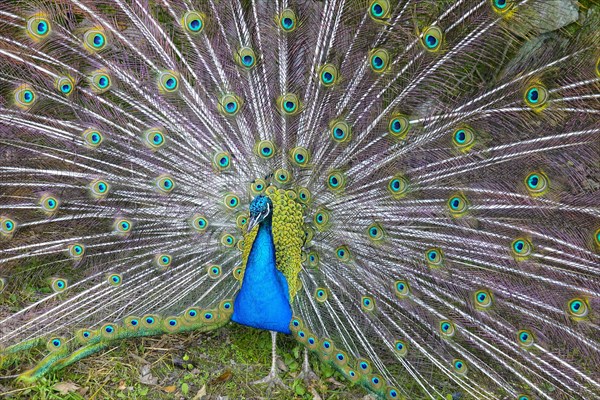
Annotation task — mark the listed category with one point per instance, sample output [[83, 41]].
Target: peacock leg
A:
[[307, 374], [272, 379]]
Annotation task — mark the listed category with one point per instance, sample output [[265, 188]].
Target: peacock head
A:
[[260, 209]]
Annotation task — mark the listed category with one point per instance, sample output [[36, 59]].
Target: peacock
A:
[[410, 189]]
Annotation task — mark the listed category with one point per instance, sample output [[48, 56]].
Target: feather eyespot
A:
[[231, 201], [100, 81], [25, 97], [38, 27], [399, 126], [168, 81], [199, 222], [122, 226], [7, 226], [282, 176], [289, 104], [49, 204], [154, 138], [578, 308], [336, 181], [401, 348], [265, 149], [95, 39], [521, 248], [460, 367], [321, 295], [287, 20], [502, 6], [463, 138], [165, 184], [328, 75], [537, 183], [536, 96], [304, 195], [300, 156], [340, 131], [402, 288], [483, 299], [379, 9], [432, 38], [447, 328], [76, 251], [59, 285], [458, 205], [343, 254], [367, 303], [398, 186], [376, 232], [55, 344], [114, 279], [193, 22], [434, 258], [245, 57], [379, 60], [65, 85], [525, 338], [230, 105], [92, 137]]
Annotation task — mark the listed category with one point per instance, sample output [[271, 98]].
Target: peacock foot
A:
[[307, 374], [272, 380]]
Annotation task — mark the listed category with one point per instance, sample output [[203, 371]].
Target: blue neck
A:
[[263, 301]]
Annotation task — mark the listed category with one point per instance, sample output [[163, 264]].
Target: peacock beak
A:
[[253, 221]]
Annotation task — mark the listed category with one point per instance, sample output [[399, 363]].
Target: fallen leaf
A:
[[224, 377], [170, 389], [65, 388], [122, 385], [201, 393], [146, 376]]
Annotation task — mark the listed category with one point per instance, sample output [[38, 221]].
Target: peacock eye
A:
[[58, 285], [265, 149], [300, 156], [537, 183], [229, 104], [100, 81], [340, 131], [282, 176], [199, 223], [483, 299], [287, 20], [304, 195], [165, 184], [379, 9], [432, 38], [65, 85], [463, 138], [401, 347], [536, 96], [521, 248], [328, 74], [114, 279], [221, 161], [122, 226], [525, 338], [460, 367], [502, 6], [343, 254], [321, 295], [578, 308], [227, 240], [25, 97], [336, 181], [95, 39], [193, 22], [376, 232], [402, 288], [154, 138], [399, 126], [246, 57], [447, 328], [458, 205], [289, 104], [168, 81], [367, 303], [434, 258], [379, 60], [38, 27]]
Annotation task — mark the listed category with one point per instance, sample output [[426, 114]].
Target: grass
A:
[[219, 364]]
